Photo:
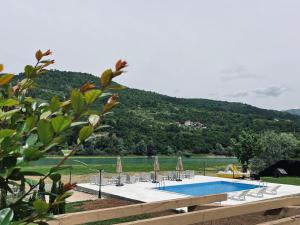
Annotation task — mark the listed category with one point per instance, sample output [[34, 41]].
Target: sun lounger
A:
[[123, 179], [93, 179], [132, 179], [172, 175], [152, 175], [189, 174], [104, 181], [160, 181], [257, 192], [192, 174], [119, 180], [272, 190], [114, 179], [240, 196], [144, 177]]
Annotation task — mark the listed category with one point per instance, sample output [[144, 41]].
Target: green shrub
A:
[[31, 128]]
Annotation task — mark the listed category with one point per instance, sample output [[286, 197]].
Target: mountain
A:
[[146, 122], [294, 111]]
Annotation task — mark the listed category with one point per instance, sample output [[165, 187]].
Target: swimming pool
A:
[[208, 188]]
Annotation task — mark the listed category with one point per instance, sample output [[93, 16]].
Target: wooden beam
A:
[[293, 220], [294, 207], [131, 210], [218, 213]]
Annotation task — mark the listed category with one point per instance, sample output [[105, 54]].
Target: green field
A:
[[132, 164], [283, 180]]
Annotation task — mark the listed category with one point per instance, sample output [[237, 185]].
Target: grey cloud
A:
[[238, 94], [273, 91], [171, 50], [237, 72]]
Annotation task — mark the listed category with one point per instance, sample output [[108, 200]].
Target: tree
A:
[[298, 150], [151, 149], [140, 148], [245, 147], [144, 115], [274, 147], [31, 128]]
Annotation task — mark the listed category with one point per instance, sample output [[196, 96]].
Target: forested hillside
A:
[[147, 122], [294, 111]]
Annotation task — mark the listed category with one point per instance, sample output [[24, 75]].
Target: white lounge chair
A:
[[240, 196], [93, 179], [132, 179], [272, 190], [192, 173], [104, 181], [159, 177], [145, 177], [160, 181], [257, 192], [119, 180], [123, 179], [172, 175], [189, 174]]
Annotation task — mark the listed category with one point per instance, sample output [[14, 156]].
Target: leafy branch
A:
[[30, 128]]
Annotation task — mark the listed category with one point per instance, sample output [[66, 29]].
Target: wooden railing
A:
[[219, 213], [184, 218], [131, 210], [292, 220]]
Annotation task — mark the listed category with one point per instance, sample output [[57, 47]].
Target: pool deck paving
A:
[[146, 192]]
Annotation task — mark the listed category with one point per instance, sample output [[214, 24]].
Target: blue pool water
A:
[[208, 188]]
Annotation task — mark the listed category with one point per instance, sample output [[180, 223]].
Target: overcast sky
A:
[[245, 51]]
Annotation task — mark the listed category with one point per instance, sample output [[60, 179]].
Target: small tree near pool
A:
[[31, 128], [245, 147], [274, 147]]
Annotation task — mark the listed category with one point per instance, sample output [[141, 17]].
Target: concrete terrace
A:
[[146, 192]]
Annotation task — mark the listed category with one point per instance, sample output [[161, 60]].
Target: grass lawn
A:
[[81, 170], [283, 180], [131, 164]]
